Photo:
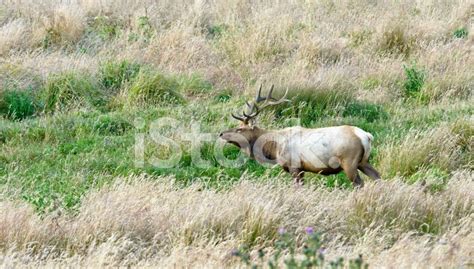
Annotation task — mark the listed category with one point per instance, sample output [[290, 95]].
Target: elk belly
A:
[[317, 157], [311, 151]]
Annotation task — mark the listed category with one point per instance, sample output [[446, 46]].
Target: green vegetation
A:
[[83, 87], [105, 27], [114, 75], [151, 88], [460, 32], [71, 90], [415, 79], [17, 104]]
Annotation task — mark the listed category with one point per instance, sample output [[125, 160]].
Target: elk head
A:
[[247, 133]]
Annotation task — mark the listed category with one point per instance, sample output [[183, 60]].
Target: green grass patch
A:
[[368, 111], [154, 88], [460, 32], [71, 90], [105, 27], [309, 105], [414, 81], [17, 104], [194, 85], [114, 75]]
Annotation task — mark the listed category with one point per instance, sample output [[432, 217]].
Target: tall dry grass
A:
[[236, 42], [143, 223]]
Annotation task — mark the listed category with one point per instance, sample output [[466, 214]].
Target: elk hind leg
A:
[[352, 174], [369, 170]]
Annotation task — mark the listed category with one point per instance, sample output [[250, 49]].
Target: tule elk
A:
[[297, 150]]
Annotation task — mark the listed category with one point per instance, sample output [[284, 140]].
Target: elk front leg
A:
[[297, 175]]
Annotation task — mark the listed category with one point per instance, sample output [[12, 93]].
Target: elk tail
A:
[[366, 139]]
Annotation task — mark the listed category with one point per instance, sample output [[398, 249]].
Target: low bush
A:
[[460, 32], [106, 27], [113, 75], [370, 112], [153, 88], [414, 81], [71, 90], [17, 104]]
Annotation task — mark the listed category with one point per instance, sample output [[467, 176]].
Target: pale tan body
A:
[[298, 150]]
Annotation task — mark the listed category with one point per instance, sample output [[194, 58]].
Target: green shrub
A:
[[144, 30], [414, 81], [370, 112], [460, 32], [105, 27], [113, 75], [154, 88], [223, 96], [71, 90], [17, 104], [215, 31]]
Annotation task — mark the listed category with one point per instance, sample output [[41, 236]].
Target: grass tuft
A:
[[395, 41], [106, 27], [17, 104], [460, 32], [71, 90], [311, 104], [114, 75], [414, 81], [153, 88]]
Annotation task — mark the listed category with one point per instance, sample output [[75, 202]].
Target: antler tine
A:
[[283, 99], [254, 110], [253, 113], [269, 96], [259, 96], [237, 117]]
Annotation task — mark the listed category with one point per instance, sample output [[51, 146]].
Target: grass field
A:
[[83, 82]]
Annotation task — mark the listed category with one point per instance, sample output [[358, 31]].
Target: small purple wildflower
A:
[[309, 230], [322, 251], [281, 231]]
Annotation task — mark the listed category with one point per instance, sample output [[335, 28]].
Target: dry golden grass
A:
[[439, 146], [235, 42], [144, 223]]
